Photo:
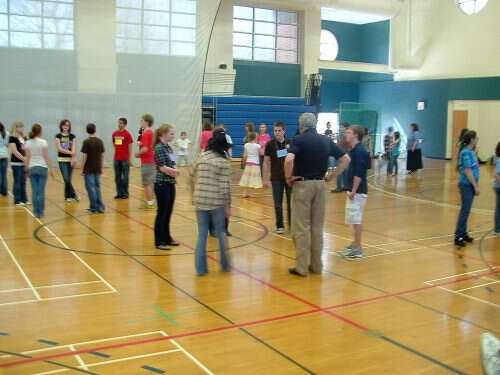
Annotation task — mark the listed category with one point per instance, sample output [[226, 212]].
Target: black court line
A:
[[186, 293], [42, 240], [50, 362], [153, 369]]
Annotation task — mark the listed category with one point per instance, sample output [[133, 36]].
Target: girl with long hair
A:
[[4, 159], [65, 142], [17, 159]]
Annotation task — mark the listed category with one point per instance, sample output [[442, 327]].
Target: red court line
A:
[[244, 324]]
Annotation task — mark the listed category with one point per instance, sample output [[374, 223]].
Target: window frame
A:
[[142, 25], [43, 18], [276, 36]]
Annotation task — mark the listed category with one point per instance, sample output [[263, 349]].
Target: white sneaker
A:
[[27, 203], [280, 231], [490, 354], [20, 204]]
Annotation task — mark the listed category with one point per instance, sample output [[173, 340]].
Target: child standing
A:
[[92, 161], [37, 165], [468, 168], [147, 156], [17, 159], [122, 142], [251, 178], [4, 159], [496, 186], [357, 193], [183, 145], [66, 157], [394, 152]]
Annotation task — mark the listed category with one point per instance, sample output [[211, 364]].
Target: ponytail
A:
[[467, 138]]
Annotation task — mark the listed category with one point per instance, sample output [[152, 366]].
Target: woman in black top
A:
[[17, 158], [66, 156]]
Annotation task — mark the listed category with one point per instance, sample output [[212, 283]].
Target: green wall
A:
[[266, 79]]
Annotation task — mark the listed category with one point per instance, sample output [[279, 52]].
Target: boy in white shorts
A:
[[183, 145], [357, 193]]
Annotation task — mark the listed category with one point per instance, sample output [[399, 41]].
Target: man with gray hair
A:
[[306, 168]]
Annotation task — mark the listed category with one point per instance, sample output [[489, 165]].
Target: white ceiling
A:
[[349, 16]]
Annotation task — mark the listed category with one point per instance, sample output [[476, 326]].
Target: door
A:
[[460, 121]]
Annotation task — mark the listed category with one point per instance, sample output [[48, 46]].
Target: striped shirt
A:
[[211, 182]]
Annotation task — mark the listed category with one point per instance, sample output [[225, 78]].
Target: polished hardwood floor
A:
[[84, 293]]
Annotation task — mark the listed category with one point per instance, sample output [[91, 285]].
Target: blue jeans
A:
[[3, 176], [392, 165], [38, 178], [279, 187], [497, 212], [19, 185], [93, 186], [217, 217], [66, 172], [467, 196], [122, 169]]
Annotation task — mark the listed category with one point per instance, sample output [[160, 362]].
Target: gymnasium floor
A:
[[90, 294]]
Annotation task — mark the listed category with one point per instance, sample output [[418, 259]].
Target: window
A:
[[329, 48], [157, 27], [37, 24], [472, 6], [265, 35]]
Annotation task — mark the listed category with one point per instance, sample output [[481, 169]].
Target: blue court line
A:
[[422, 355], [153, 369], [102, 355], [4, 334], [48, 342]]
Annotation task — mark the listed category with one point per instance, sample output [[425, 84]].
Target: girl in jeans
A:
[[468, 168], [392, 168], [4, 159], [66, 156], [37, 164], [211, 188], [17, 158]]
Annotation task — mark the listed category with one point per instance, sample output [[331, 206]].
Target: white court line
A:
[[189, 355], [470, 297], [72, 252], [427, 201], [25, 277], [460, 274], [78, 358], [55, 298], [113, 361], [86, 343], [50, 286], [477, 286]]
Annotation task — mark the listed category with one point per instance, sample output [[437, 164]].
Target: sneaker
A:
[[27, 203], [117, 197], [163, 247], [77, 198], [20, 204], [460, 242], [280, 231], [69, 200], [229, 234], [293, 271], [353, 253], [90, 211], [148, 206], [490, 354], [467, 238]]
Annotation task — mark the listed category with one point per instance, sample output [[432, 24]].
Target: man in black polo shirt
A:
[[305, 168], [274, 160]]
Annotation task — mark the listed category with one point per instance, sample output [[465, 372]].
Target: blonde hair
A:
[[164, 128], [15, 125]]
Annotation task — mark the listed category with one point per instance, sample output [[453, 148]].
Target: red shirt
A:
[[147, 141], [206, 135], [121, 140]]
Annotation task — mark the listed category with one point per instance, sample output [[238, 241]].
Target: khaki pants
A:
[[308, 218]]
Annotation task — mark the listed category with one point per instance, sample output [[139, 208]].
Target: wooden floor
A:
[[90, 294]]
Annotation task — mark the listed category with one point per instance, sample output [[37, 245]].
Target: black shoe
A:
[[313, 271], [228, 234], [118, 197], [173, 243], [124, 197], [468, 238], [293, 271], [460, 242]]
